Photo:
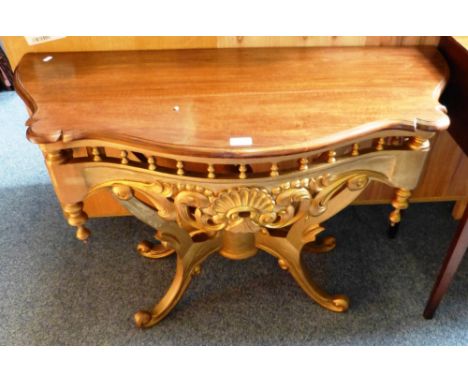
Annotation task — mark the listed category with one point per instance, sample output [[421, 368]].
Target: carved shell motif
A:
[[244, 209]]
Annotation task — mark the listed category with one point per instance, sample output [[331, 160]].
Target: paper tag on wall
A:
[[34, 40]]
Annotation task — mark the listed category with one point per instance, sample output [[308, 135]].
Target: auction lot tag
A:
[[34, 40], [240, 141]]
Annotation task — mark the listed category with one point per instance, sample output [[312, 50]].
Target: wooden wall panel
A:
[[283, 41], [16, 46], [273, 41]]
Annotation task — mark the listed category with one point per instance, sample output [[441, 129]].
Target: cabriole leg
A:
[[188, 265], [191, 249]]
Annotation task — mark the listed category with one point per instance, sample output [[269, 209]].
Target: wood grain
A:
[[314, 41], [288, 100], [16, 46]]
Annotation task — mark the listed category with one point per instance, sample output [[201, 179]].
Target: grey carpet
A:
[[54, 291]]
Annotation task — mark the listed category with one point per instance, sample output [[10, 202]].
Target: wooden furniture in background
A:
[[452, 261], [232, 151], [442, 179], [6, 74], [456, 99]]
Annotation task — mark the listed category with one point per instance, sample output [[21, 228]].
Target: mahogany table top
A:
[[277, 100]]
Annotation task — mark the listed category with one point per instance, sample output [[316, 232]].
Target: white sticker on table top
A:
[[241, 141], [34, 40]]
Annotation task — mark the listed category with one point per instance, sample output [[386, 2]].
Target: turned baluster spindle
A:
[[96, 154], [418, 143], [380, 144], [180, 168], [395, 141], [274, 170], [242, 171], [124, 156], [303, 164], [56, 157], [355, 150], [151, 163], [331, 157], [211, 172]]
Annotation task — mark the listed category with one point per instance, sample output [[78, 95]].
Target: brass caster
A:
[[341, 303], [282, 264], [142, 318], [196, 270]]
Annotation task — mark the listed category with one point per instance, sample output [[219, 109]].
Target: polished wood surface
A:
[[194, 101], [16, 46]]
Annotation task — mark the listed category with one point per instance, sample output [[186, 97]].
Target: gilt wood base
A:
[[237, 213], [193, 248]]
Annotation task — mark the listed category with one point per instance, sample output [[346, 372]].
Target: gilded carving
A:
[[194, 222], [243, 209], [354, 182], [240, 209]]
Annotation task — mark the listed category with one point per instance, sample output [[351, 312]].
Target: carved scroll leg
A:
[[289, 258], [188, 265], [400, 202], [76, 217], [191, 248]]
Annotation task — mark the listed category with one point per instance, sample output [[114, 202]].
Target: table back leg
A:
[[452, 260]]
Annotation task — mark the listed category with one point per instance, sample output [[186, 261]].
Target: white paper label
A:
[[240, 141], [34, 40]]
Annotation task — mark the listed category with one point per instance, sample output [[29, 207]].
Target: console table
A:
[[233, 150]]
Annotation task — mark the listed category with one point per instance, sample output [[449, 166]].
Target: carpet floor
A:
[[56, 291]]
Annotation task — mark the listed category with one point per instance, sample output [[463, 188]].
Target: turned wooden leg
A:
[[288, 252], [76, 217], [400, 202], [452, 260]]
